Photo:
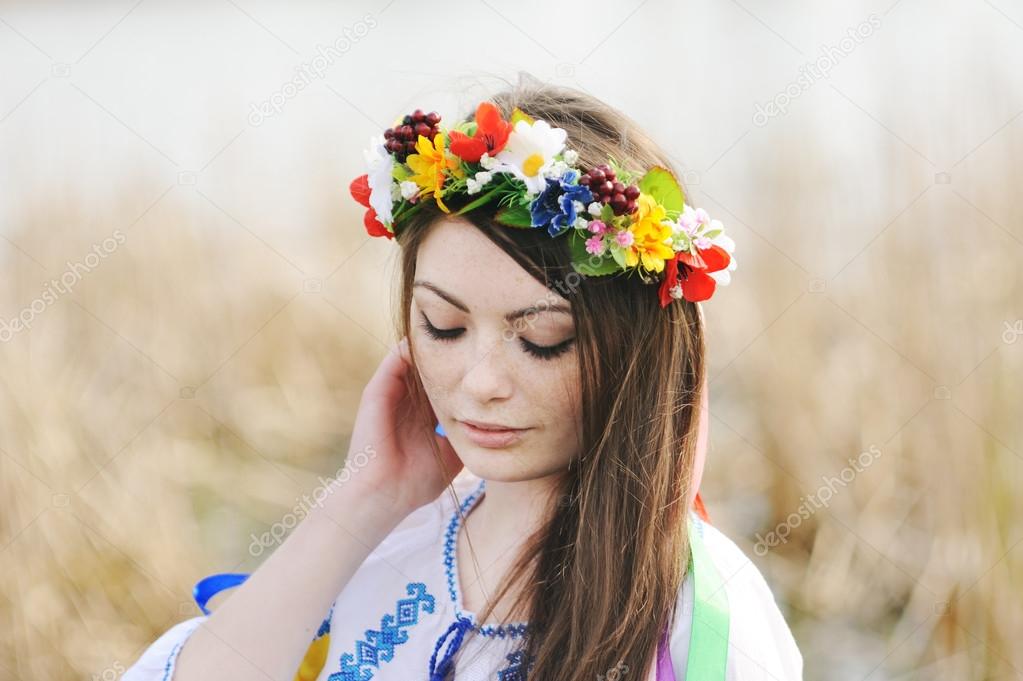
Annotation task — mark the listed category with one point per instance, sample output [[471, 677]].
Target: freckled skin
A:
[[485, 373]]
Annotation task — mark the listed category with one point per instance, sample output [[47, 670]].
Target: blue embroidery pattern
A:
[[379, 644], [170, 661], [517, 669], [325, 625], [511, 631]]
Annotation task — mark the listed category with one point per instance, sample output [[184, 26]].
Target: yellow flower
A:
[[428, 166], [649, 231]]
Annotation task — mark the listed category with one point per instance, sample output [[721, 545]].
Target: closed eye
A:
[[440, 334], [547, 351], [544, 352]]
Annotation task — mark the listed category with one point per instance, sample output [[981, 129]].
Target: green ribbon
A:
[[708, 640]]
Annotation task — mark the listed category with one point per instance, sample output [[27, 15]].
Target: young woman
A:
[[518, 497]]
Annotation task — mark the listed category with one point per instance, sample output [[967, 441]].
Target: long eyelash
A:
[[547, 352], [544, 352], [439, 334]]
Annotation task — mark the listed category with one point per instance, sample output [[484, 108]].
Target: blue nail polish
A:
[[440, 431]]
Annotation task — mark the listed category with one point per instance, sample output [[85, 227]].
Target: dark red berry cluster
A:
[[606, 189], [401, 139]]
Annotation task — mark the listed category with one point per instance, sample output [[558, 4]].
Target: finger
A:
[[403, 349], [388, 381]]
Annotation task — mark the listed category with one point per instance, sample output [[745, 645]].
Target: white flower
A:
[[570, 156], [379, 166], [580, 222], [726, 242], [409, 189], [529, 152], [487, 161], [475, 185], [594, 209], [556, 170]]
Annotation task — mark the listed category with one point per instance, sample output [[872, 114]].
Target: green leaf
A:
[[406, 210], [621, 173], [619, 256], [661, 184], [514, 216], [479, 201], [587, 263], [520, 115], [400, 172], [607, 213]]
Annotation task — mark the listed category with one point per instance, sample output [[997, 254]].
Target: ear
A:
[[701, 442]]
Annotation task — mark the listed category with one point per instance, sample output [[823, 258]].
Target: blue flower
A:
[[554, 208]]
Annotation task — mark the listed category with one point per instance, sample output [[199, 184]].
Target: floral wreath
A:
[[616, 220]]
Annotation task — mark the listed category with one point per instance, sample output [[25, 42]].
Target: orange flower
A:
[[491, 135]]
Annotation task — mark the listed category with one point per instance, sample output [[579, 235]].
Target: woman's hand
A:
[[390, 452]]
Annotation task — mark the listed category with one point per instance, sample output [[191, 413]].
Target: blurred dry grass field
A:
[[203, 371]]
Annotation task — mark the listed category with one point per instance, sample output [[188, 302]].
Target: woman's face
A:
[[494, 346]]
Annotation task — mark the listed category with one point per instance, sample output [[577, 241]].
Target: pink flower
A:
[[597, 227], [688, 221], [624, 238], [595, 245]]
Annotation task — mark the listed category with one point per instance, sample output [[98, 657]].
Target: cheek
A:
[[561, 396], [436, 363]]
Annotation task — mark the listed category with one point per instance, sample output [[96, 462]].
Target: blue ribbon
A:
[[208, 587], [440, 672]]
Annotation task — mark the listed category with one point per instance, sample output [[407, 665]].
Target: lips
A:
[[490, 435], [483, 425]]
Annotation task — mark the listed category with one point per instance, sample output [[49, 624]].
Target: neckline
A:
[[512, 630]]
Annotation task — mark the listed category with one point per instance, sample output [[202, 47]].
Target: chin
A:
[[511, 464]]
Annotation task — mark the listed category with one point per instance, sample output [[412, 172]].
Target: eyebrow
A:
[[511, 316]]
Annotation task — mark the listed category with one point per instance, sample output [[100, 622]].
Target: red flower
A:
[[360, 191], [491, 135], [691, 273]]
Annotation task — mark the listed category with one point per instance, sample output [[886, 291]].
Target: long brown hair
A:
[[599, 580]]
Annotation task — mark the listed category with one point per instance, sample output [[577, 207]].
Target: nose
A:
[[487, 376]]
